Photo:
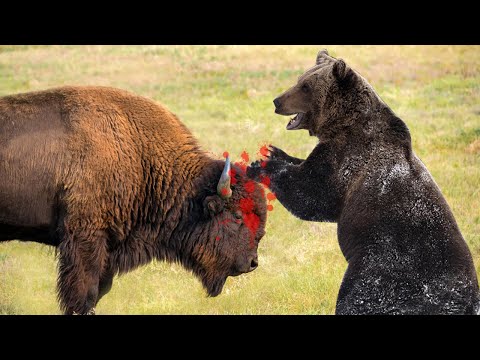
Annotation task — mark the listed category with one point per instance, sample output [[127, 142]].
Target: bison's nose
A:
[[253, 264], [277, 102]]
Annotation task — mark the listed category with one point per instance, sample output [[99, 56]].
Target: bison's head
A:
[[228, 225]]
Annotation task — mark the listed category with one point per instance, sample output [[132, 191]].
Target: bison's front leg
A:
[[82, 258], [105, 283]]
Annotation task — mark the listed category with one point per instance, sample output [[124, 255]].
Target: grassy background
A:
[[224, 95]]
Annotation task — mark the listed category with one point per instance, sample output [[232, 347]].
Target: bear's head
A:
[[328, 96]]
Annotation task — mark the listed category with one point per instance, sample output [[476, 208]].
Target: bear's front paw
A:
[[277, 154], [255, 171]]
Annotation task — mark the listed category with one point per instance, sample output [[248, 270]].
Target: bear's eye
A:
[[305, 88], [237, 214]]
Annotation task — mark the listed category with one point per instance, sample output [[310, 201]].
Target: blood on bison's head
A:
[[228, 224]]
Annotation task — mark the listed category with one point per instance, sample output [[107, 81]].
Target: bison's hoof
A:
[[91, 311]]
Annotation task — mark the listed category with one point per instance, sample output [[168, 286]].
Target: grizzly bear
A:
[[404, 249]]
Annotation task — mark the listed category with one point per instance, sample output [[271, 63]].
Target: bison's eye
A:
[[305, 88], [237, 214]]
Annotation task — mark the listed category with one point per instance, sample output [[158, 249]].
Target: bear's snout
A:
[[277, 103]]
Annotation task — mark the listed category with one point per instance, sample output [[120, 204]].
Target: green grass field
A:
[[224, 95]]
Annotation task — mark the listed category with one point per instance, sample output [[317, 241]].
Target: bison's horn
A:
[[223, 187]]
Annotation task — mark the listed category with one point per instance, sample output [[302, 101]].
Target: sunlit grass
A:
[[224, 95]]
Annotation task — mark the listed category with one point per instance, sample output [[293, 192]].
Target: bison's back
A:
[[92, 148]]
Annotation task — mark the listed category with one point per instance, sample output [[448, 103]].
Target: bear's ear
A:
[[213, 205], [322, 56], [342, 72]]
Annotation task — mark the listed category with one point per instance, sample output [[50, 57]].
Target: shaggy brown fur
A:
[[404, 249], [114, 180]]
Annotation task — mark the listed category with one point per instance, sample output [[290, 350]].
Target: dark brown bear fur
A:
[[405, 252], [114, 180]]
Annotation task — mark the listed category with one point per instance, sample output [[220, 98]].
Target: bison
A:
[[114, 180]]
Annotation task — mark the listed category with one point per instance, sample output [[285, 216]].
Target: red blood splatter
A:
[[262, 192], [252, 222], [246, 205], [271, 196], [249, 186], [224, 191], [264, 151], [242, 167], [232, 174], [250, 219], [266, 181]]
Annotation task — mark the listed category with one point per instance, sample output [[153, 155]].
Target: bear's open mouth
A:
[[296, 121]]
